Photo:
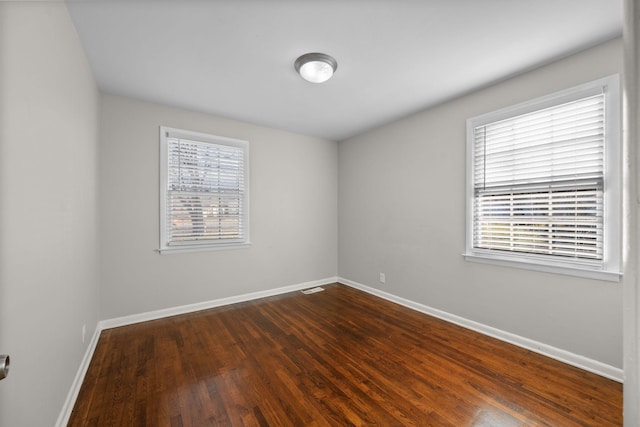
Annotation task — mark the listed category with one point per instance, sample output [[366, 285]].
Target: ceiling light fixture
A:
[[316, 67]]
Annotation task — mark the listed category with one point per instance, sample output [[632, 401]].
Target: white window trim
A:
[[164, 248], [610, 268]]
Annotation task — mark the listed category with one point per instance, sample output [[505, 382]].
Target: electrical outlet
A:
[[383, 279], [84, 332]]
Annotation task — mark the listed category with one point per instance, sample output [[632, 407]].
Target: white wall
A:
[[293, 212], [631, 296], [49, 279], [402, 212]]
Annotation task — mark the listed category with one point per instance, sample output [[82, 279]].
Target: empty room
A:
[[319, 213]]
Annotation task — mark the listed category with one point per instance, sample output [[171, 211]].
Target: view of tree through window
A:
[[205, 191]]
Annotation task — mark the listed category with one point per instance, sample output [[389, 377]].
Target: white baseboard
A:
[[564, 356], [190, 308], [67, 408]]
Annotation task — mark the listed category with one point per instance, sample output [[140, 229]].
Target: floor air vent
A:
[[312, 291]]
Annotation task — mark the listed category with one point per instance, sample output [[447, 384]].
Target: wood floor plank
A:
[[335, 358]]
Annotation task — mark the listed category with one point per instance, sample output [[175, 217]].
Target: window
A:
[[543, 187], [204, 191]]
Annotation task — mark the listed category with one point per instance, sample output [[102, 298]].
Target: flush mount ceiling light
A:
[[316, 67]]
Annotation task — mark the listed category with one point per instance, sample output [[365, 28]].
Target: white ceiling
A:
[[234, 58]]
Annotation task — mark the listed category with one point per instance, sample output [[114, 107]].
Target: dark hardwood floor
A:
[[335, 358]]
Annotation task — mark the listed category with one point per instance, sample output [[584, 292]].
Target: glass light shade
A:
[[316, 71], [316, 67]]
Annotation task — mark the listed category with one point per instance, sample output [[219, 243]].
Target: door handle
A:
[[4, 366]]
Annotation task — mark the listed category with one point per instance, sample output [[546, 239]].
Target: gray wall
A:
[[49, 278], [293, 213], [402, 212]]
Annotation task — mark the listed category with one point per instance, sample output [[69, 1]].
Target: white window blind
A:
[[538, 181], [205, 190], [544, 183]]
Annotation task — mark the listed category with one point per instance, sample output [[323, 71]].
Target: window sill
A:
[[565, 269], [202, 248]]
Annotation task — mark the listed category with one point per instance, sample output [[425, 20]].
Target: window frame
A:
[[610, 267], [167, 133]]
